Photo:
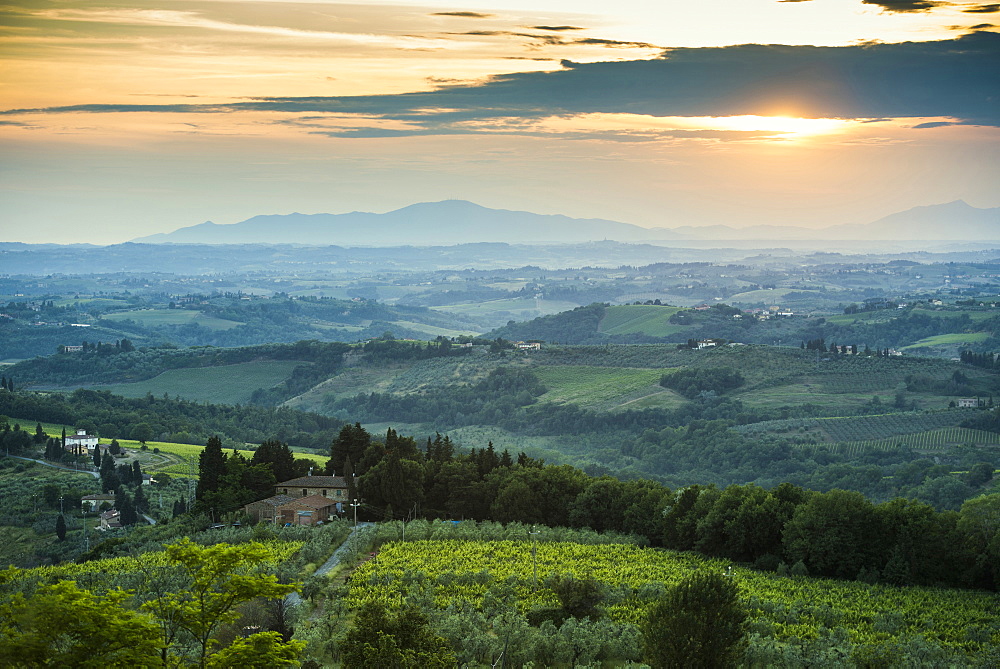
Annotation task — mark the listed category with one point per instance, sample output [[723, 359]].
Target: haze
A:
[[125, 118]]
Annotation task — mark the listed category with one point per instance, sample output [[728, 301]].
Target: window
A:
[[324, 492], [305, 492]]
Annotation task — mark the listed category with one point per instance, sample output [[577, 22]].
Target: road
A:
[[294, 599], [96, 475]]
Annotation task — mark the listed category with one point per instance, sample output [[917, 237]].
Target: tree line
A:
[[838, 533]]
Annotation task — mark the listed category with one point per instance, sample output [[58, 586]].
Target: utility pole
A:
[[355, 505]]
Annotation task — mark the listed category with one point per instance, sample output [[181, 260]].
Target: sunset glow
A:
[[741, 112]]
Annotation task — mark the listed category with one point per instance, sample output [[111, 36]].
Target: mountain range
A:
[[460, 222]]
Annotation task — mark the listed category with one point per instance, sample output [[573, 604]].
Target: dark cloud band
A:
[[957, 79]]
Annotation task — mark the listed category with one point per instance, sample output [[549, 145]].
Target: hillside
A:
[[915, 328]]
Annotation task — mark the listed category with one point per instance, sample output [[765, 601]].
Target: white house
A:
[[81, 440]]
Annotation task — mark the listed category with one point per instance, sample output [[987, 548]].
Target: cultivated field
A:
[[155, 317], [640, 319], [228, 384]]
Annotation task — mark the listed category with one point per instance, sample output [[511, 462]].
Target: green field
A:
[[517, 305], [435, 331], [928, 442], [348, 383], [973, 314], [157, 317], [785, 609], [640, 319], [228, 384], [957, 338], [770, 296], [593, 386], [864, 316]]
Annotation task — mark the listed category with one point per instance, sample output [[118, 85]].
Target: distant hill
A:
[[453, 222], [952, 221], [425, 224]]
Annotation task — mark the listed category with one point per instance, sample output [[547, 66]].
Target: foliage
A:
[[699, 622], [495, 579], [61, 625], [381, 639], [692, 382]]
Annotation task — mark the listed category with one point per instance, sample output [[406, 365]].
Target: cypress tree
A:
[[211, 467]]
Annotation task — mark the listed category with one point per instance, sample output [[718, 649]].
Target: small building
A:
[[72, 349], [307, 510], [93, 502], [332, 487], [111, 520], [967, 402], [529, 345], [266, 510], [81, 442]]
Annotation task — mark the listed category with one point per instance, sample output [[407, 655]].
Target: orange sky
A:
[[127, 118]]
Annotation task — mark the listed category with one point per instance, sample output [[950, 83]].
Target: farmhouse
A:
[[96, 501], [266, 510], [968, 402], [110, 520], [286, 509], [331, 487], [307, 510]]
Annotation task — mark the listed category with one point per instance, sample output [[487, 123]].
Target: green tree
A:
[[61, 527], [142, 432], [216, 579], [379, 640], [211, 467], [264, 650], [64, 626], [835, 534], [700, 623]]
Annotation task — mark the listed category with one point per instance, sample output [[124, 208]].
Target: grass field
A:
[[348, 383], [770, 296], [154, 317], [517, 305], [592, 386], [434, 331], [228, 384], [643, 319], [864, 316], [974, 315], [957, 338]]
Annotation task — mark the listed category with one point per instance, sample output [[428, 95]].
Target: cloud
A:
[[956, 79], [556, 28], [901, 6], [934, 124], [556, 40], [982, 9], [188, 19], [466, 15]]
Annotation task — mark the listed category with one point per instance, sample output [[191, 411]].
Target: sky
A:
[[124, 118]]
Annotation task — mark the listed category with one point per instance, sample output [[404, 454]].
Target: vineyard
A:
[[128, 571], [867, 428], [783, 609], [935, 440]]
